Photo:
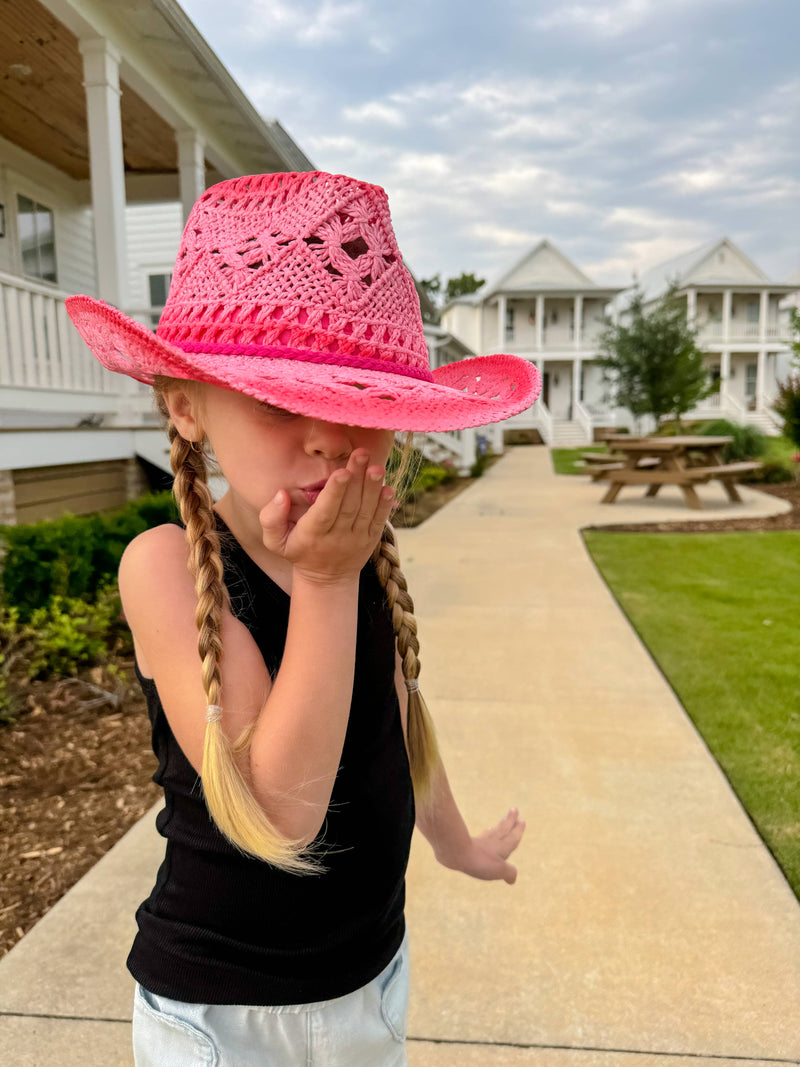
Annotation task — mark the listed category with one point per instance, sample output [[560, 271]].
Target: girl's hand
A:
[[336, 536], [486, 856]]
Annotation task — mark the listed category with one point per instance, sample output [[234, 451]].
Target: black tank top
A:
[[223, 928]]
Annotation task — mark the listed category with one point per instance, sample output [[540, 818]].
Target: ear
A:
[[184, 411]]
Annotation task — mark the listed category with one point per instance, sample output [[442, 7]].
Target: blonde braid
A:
[[423, 751], [234, 809]]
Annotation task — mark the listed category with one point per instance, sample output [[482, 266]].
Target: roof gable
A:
[[725, 263], [544, 267], [719, 262]]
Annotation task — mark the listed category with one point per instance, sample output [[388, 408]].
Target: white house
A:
[[545, 309], [102, 105]]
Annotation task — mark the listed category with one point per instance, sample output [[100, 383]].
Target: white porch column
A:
[[191, 167], [107, 166], [761, 367], [727, 300], [578, 317], [763, 312], [691, 308], [540, 322], [577, 370], [724, 376], [501, 324]]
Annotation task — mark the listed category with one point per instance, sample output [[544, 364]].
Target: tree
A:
[[439, 294], [788, 403], [433, 288], [462, 285], [652, 360]]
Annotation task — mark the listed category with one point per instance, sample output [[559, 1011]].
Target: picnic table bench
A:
[[685, 461], [597, 464]]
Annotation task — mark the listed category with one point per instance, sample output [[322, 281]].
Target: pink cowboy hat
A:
[[291, 288]]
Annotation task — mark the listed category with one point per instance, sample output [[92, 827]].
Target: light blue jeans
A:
[[366, 1028]]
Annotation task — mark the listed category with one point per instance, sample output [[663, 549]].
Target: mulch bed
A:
[[76, 766], [76, 769]]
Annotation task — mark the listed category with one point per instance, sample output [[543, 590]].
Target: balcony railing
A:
[[749, 331], [41, 349]]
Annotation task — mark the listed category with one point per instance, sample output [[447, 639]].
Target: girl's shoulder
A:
[[155, 561]]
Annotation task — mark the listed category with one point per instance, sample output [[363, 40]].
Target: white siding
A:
[[22, 173], [462, 321], [75, 250], [153, 234]]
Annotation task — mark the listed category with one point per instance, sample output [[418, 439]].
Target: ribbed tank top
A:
[[223, 928]]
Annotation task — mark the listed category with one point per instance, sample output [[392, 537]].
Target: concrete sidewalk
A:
[[649, 924]]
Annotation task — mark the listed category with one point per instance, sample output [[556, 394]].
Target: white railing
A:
[[458, 447], [544, 421], [584, 417], [749, 331], [39, 346], [41, 349]]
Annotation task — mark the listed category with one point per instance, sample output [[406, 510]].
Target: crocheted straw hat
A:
[[291, 288]]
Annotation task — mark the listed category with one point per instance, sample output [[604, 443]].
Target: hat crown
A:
[[306, 261]]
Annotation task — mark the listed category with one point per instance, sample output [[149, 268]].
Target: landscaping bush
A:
[[748, 441], [58, 640], [772, 472], [788, 407], [72, 556]]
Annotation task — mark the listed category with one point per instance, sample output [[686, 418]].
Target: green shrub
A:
[[788, 407], [72, 556], [73, 633], [772, 472], [480, 465], [748, 441]]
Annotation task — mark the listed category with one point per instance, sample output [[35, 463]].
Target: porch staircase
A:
[[768, 423], [568, 433]]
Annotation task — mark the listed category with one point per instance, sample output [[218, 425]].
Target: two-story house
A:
[[103, 108], [546, 309], [736, 309]]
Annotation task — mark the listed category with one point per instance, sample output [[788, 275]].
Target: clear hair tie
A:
[[412, 685], [213, 713]]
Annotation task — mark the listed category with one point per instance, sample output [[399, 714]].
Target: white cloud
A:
[[374, 111], [611, 18], [500, 235], [323, 23]]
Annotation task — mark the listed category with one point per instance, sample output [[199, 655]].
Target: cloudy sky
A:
[[625, 131]]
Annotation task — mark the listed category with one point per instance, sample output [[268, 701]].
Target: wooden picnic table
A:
[[685, 461]]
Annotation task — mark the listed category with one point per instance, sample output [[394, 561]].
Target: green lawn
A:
[[719, 613], [565, 460]]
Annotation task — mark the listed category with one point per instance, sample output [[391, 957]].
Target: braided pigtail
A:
[[423, 752], [234, 809]]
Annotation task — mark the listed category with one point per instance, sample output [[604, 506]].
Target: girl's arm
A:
[[484, 856], [302, 716]]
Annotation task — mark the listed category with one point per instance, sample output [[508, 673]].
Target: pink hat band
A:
[[337, 359], [291, 288]]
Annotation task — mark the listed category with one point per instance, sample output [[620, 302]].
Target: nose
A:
[[328, 439]]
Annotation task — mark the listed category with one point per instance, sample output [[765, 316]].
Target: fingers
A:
[[274, 519], [509, 873], [355, 497]]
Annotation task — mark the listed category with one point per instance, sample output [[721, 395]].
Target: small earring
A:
[[196, 446]]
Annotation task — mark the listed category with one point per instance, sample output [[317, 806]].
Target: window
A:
[[509, 324], [37, 239], [158, 287], [752, 311]]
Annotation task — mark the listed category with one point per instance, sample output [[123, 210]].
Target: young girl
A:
[[290, 350]]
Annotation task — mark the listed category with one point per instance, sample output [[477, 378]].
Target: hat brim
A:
[[469, 392]]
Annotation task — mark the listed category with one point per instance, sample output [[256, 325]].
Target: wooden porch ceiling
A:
[[43, 103]]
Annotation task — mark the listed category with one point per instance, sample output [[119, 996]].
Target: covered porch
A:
[[104, 106]]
